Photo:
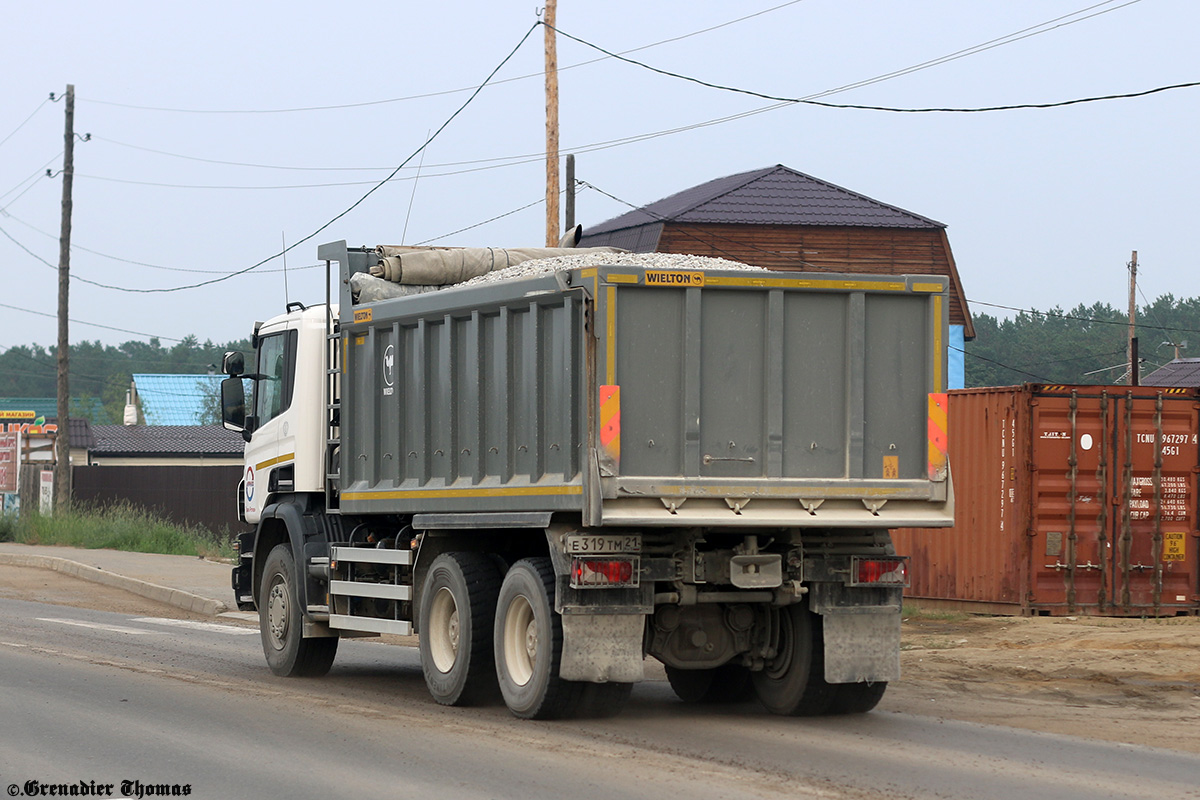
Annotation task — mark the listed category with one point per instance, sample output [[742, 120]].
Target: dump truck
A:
[[548, 479]]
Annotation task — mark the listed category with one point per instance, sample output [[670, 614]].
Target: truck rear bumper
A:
[[859, 512]]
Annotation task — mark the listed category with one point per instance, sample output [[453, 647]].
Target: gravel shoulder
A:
[[1120, 680]]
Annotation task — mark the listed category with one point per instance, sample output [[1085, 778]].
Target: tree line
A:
[[1085, 345], [100, 374]]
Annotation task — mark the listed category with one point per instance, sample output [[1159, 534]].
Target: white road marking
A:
[[211, 627], [98, 626]]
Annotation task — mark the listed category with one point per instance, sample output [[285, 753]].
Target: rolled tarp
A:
[[449, 266], [366, 288]]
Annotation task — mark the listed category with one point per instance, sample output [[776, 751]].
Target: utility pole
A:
[[1133, 354], [552, 230], [62, 440], [569, 211]]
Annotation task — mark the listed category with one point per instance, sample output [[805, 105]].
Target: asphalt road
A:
[[95, 696]]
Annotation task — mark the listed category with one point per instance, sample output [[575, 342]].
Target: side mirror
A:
[[233, 364], [233, 401]]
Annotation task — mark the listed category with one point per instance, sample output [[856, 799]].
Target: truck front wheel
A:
[[458, 606], [528, 644], [280, 622]]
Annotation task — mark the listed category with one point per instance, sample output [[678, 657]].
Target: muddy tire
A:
[[281, 625], [857, 698], [793, 683], [458, 607], [528, 641]]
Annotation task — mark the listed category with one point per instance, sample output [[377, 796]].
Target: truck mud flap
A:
[[862, 644], [602, 647]]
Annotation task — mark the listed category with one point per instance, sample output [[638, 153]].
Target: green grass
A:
[[119, 527]]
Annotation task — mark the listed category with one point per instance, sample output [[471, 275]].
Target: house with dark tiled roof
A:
[[185, 473], [165, 445], [1183, 372], [782, 219]]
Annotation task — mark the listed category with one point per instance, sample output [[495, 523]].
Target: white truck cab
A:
[[285, 436]]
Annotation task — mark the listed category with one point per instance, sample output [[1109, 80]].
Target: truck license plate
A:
[[631, 543]]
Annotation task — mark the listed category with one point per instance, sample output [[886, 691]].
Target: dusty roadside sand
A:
[[1133, 681], [1123, 680]]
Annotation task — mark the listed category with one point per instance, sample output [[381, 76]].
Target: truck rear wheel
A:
[[458, 606], [281, 625], [793, 683], [528, 644], [857, 698]]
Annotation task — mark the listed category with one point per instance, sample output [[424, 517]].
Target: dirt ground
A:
[[1123, 680], [1126, 680]]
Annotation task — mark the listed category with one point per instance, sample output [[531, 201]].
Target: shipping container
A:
[[1069, 500]]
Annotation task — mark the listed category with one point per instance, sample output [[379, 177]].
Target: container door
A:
[[1152, 541], [1113, 525], [1070, 452]]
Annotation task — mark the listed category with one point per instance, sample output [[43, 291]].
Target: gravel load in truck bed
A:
[[543, 266]]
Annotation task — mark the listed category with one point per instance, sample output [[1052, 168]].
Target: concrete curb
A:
[[151, 591]]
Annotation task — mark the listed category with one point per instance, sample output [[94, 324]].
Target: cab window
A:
[[277, 368]]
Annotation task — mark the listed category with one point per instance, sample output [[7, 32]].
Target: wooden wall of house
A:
[[883, 251]]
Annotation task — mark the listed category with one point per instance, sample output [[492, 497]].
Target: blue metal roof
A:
[[176, 399]]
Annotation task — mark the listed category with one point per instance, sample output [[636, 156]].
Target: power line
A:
[[539, 201], [443, 92], [91, 324], [939, 109], [80, 248], [530, 157], [352, 206], [999, 41], [1122, 323], [983, 358], [22, 125], [38, 174]]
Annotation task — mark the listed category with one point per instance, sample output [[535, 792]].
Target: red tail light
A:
[[879, 571], [603, 572]]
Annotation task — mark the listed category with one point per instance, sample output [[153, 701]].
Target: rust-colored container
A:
[[1068, 500]]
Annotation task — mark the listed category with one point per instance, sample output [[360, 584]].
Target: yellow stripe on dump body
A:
[[808, 283], [430, 494]]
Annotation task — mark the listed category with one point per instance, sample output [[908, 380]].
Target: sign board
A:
[[46, 492], [10, 458]]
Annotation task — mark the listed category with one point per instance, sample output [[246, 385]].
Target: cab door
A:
[[268, 450]]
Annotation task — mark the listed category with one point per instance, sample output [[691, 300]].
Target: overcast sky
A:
[[1043, 207]]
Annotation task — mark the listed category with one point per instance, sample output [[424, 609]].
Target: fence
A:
[[204, 496]]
